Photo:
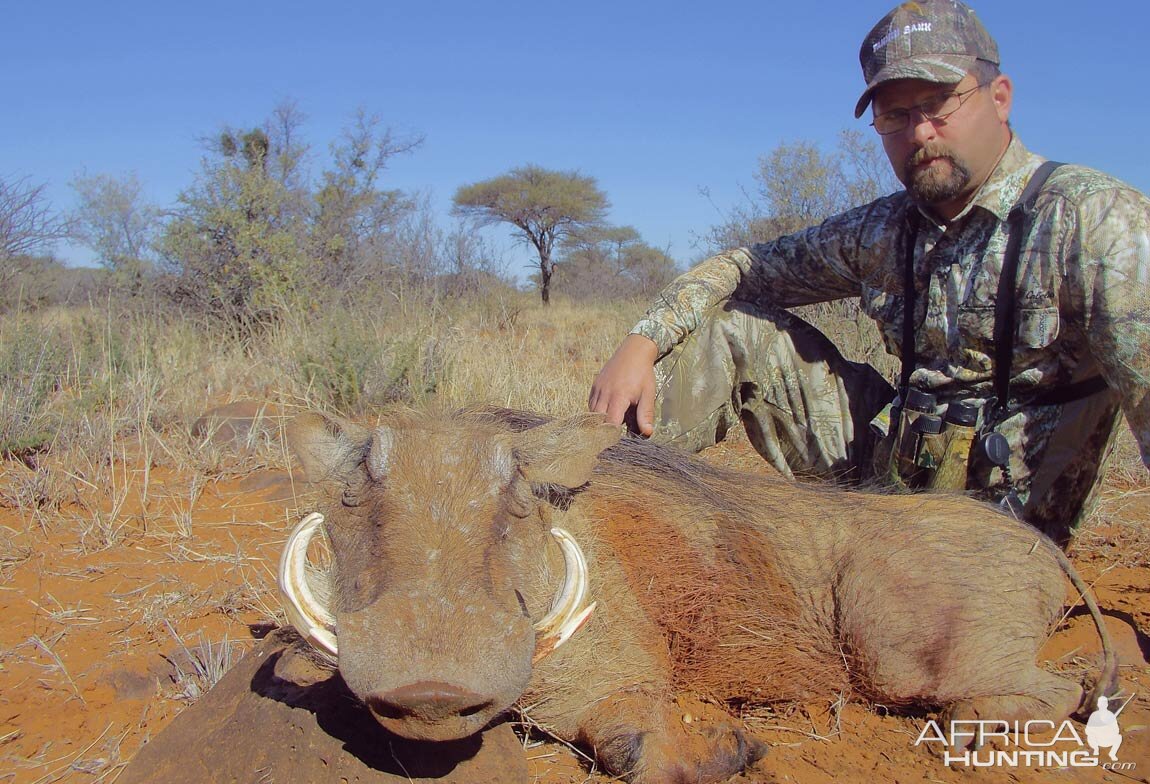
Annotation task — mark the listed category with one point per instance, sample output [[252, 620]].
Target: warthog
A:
[[468, 546]]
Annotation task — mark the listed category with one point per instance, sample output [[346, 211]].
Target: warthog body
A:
[[742, 587]]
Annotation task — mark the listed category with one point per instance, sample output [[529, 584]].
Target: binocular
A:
[[932, 450]]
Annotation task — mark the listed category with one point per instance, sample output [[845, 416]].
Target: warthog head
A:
[[447, 575]]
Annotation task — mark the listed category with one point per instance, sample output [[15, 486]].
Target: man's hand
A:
[[626, 381]]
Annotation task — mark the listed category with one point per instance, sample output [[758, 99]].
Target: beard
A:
[[938, 183]]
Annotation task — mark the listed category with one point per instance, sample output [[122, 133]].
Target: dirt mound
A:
[[277, 716]]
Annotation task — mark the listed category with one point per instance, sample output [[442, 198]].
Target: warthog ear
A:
[[564, 452], [329, 448]]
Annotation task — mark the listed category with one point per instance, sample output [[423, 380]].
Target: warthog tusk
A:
[[565, 617], [317, 625], [306, 613]]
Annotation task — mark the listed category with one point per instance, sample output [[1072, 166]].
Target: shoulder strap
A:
[[1005, 305], [908, 294]]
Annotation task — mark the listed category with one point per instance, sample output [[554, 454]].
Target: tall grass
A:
[[500, 348], [32, 366], [90, 380]]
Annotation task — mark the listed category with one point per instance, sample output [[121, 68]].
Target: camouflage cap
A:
[[935, 40]]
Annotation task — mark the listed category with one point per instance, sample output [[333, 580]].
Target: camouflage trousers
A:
[[807, 410], [805, 407]]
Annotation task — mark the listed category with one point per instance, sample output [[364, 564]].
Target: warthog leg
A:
[[1048, 697], [635, 737]]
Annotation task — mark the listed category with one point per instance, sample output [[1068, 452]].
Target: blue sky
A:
[[655, 100]]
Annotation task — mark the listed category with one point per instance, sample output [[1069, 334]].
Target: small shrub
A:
[[197, 669]]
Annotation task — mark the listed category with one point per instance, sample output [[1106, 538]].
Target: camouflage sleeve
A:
[[822, 263], [679, 308], [1114, 237]]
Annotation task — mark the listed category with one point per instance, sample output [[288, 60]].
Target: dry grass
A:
[[12, 551], [110, 384], [198, 667], [94, 407], [1125, 469]]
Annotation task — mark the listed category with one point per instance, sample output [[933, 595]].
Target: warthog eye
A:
[[350, 497], [518, 499]]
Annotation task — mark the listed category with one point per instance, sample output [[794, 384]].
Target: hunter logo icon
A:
[[1102, 729]]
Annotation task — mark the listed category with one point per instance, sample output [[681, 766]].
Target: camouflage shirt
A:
[[1083, 299]]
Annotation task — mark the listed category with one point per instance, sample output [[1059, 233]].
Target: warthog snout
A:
[[431, 710]]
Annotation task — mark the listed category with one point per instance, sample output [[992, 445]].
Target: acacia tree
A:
[[114, 219], [352, 214], [545, 206], [256, 233]]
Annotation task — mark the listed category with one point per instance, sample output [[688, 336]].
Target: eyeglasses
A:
[[938, 107]]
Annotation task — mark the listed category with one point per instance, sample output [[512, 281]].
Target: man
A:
[[717, 348]]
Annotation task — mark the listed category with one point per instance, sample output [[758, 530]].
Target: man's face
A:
[[943, 162]]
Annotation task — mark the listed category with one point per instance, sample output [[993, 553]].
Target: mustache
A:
[[927, 152]]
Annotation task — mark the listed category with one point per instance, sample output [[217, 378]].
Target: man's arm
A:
[[815, 265], [628, 378], [1114, 269]]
